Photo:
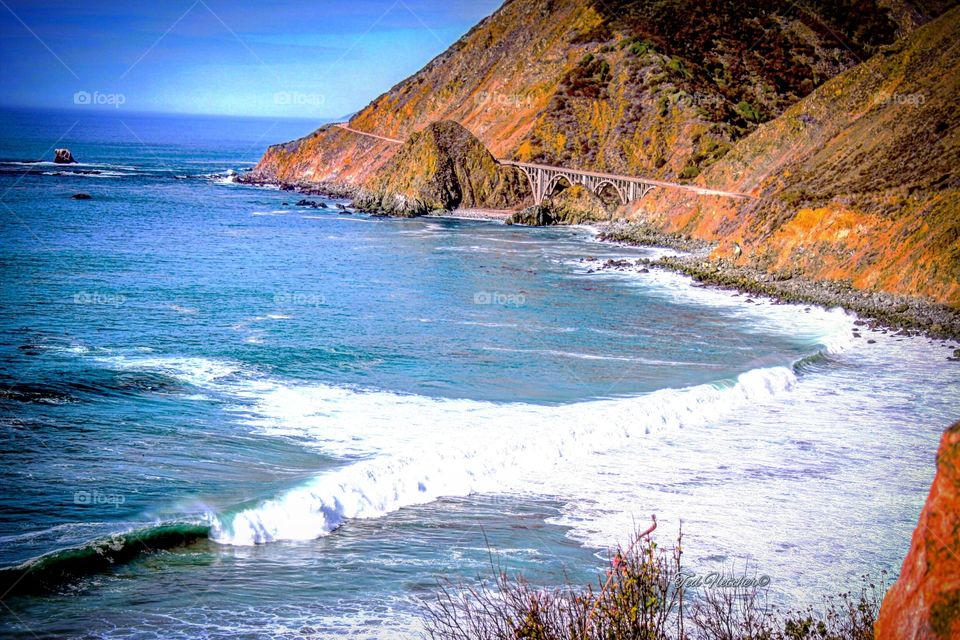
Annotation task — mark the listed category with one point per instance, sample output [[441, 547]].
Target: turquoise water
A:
[[298, 420]]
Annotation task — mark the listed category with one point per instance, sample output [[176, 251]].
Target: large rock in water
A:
[[924, 603], [442, 167], [63, 156]]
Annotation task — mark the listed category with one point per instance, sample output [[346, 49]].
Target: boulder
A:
[[63, 156], [924, 603], [313, 204]]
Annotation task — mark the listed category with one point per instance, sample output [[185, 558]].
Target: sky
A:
[[307, 59]]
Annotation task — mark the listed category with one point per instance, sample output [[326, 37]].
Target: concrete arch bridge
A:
[[545, 179]]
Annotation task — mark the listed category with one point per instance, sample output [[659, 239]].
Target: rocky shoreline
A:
[[332, 190], [878, 310]]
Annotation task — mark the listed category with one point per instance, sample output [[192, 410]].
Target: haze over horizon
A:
[[211, 57]]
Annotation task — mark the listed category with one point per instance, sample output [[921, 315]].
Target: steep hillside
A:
[[330, 156], [658, 88], [859, 181]]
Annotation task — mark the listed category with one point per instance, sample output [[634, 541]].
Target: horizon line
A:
[[79, 110]]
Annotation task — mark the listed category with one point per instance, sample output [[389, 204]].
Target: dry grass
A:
[[642, 597]]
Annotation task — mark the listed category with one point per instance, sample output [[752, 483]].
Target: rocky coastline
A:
[[333, 190], [880, 310]]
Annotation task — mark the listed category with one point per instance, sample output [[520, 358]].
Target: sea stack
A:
[[63, 156]]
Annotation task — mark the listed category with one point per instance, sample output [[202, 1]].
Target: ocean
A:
[[226, 416]]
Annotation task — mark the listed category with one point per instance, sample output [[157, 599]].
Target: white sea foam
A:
[[466, 249], [419, 449], [592, 356], [198, 371], [493, 325], [830, 328], [88, 174], [77, 165], [415, 449], [227, 177], [187, 311]]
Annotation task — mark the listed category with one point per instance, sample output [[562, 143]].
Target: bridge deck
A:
[[594, 174]]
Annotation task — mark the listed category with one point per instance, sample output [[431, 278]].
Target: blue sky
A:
[[320, 59]]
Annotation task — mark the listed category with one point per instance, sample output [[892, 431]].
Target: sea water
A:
[[224, 415]]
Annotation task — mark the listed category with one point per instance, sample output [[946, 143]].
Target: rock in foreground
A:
[[924, 604]]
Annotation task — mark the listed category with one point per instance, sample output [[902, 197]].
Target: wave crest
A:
[[456, 448]]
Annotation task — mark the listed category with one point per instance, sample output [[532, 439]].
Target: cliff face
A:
[[924, 603], [666, 86], [329, 155], [859, 181]]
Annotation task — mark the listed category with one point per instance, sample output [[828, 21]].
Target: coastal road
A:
[[346, 127]]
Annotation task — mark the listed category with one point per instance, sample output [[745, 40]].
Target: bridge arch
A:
[[603, 184], [555, 181], [544, 179]]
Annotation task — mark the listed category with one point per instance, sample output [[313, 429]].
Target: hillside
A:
[[658, 88], [860, 181], [854, 163]]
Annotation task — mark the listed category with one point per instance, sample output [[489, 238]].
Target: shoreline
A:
[[879, 310], [488, 215], [876, 309]]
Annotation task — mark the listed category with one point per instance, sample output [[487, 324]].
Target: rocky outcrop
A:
[[573, 205], [443, 167], [924, 603], [63, 156]]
